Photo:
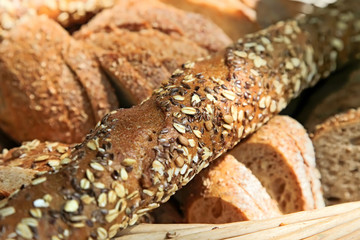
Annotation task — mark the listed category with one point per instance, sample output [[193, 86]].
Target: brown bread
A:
[[337, 148], [227, 192], [144, 41], [137, 158], [51, 86]]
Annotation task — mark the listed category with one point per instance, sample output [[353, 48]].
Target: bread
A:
[[303, 142], [227, 192], [336, 143], [338, 94], [51, 85], [136, 151], [276, 160], [69, 13], [19, 166], [145, 41]]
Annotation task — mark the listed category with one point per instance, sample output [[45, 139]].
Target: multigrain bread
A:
[[145, 41], [276, 160], [338, 94], [149, 151], [51, 85], [337, 148], [20, 165], [227, 192]]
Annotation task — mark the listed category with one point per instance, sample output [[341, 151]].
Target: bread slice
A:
[[302, 140], [20, 165], [227, 192], [337, 148], [277, 161]]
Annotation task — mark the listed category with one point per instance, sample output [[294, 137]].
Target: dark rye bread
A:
[[226, 192], [145, 41], [338, 94], [302, 140], [337, 148], [20, 165], [51, 85], [276, 160], [148, 152]]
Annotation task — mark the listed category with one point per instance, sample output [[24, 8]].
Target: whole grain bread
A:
[[227, 192], [337, 149], [20, 165], [276, 160], [51, 85], [137, 152], [144, 41]]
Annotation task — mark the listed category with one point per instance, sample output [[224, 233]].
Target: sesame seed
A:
[[102, 200], [179, 98], [90, 175], [71, 206], [41, 158], [183, 140], [120, 190], [102, 233], [228, 119], [191, 142], [97, 166], [128, 162], [259, 62], [229, 95], [84, 183], [197, 133], [7, 211], [123, 174], [24, 231], [188, 110], [268, 101], [180, 128], [179, 161], [112, 196], [35, 212], [40, 203], [32, 222], [91, 145], [37, 181], [99, 185], [240, 53]]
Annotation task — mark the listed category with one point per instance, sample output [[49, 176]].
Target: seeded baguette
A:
[[142, 155]]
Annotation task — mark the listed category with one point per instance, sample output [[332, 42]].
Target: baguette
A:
[[139, 157]]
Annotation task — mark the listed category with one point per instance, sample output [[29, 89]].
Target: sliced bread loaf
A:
[[337, 148], [226, 192], [276, 160]]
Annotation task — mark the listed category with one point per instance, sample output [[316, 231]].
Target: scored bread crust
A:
[[275, 159], [226, 192], [51, 85], [336, 143], [302, 140], [137, 158]]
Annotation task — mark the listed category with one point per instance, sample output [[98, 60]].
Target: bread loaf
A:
[[139, 157], [227, 192], [51, 85], [145, 41], [337, 149]]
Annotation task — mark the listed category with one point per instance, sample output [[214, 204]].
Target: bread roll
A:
[[149, 151]]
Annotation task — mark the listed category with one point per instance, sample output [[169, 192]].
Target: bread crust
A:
[[138, 149]]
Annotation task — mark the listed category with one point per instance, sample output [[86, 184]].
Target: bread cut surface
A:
[[276, 160], [337, 148], [226, 192]]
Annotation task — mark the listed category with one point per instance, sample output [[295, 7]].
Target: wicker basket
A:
[[335, 222]]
